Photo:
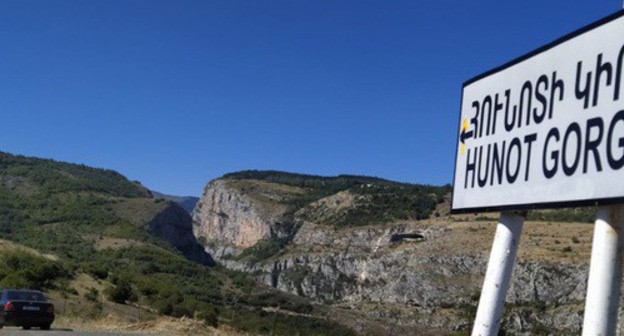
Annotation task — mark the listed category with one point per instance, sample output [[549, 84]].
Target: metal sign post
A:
[[498, 274], [605, 272]]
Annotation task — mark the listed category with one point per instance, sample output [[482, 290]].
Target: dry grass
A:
[[8, 246], [157, 326], [540, 241], [19, 185], [103, 243], [182, 326], [75, 312], [138, 210], [267, 189], [561, 242], [359, 319], [82, 282], [268, 197], [77, 309]]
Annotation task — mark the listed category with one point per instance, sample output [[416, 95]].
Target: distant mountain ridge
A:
[[186, 202]]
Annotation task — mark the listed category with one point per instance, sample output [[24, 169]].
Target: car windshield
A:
[[25, 296]]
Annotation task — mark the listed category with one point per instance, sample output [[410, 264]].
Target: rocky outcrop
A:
[[363, 266], [430, 275], [174, 225], [227, 220]]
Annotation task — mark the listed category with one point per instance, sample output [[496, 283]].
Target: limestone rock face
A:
[[359, 267], [227, 215], [228, 221]]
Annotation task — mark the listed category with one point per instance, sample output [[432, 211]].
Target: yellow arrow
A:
[[464, 127]]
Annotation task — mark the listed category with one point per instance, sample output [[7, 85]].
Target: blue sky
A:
[[176, 93]]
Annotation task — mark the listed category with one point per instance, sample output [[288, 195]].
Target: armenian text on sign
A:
[[547, 129]]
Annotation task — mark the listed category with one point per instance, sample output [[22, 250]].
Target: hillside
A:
[[330, 255], [391, 252], [375, 200], [95, 223]]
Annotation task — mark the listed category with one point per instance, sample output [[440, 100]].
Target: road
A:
[[59, 332]]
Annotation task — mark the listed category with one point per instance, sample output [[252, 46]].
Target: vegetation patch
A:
[[69, 208], [296, 275], [579, 215], [376, 200], [19, 269], [263, 249]]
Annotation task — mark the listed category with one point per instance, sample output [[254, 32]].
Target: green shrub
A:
[[582, 215], [181, 311], [92, 295], [14, 281], [98, 271], [164, 307], [147, 288], [263, 249], [21, 269], [121, 293], [208, 316]]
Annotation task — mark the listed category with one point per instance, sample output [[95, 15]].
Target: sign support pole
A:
[[498, 274], [605, 272]]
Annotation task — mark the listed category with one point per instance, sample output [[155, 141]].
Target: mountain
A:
[[139, 250], [56, 203], [245, 208], [341, 255], [391, 252], [186, 202]]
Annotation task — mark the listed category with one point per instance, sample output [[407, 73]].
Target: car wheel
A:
[[26, 327], [45, 327]]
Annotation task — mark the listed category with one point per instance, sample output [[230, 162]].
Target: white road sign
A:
[[546, 130]]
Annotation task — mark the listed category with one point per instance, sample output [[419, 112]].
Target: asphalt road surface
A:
[[59, 332]]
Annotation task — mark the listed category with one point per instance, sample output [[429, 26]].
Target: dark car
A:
[[25, 308]]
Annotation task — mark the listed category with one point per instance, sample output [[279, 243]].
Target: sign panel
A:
[[546, 130]]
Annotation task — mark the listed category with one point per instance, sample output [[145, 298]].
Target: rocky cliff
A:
[[232, 216], [226, 215], [406, 272]]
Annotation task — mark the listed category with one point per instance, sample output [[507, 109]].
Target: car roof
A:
[[22, 290]]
